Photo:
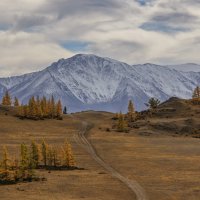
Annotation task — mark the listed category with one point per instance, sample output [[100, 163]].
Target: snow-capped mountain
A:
[[91, 82], [188, 67]]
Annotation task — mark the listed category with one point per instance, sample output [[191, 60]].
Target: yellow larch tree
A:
[[68, 157], [196, 93], [131, 112], [6, 101], [121, 123], [59, 109]]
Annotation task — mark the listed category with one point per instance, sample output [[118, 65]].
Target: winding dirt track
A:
[[132, 184]]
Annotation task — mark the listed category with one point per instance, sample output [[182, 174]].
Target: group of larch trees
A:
[[36, 108], [123, 120], [35, 156], [41, 108]]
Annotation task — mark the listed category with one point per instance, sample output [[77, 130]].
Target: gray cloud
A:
[[64, 8], [35, 33], [112, 48], [175, 18], [170, 22], [30, 21]]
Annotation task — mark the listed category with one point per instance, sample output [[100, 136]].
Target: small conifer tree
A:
[[196, 93], [59, 109], [39, 111], [50, 156], [5, 164], [153, 103], [16, 102], [6, 101], [131, 112], [34, 154], [24, 162], [44, 152], [52, 107], [3, 101], [55, 157], [15, 165], [32, 108], [26, 111], [121, 123], [44, 107], [65, 110], [6, 160]]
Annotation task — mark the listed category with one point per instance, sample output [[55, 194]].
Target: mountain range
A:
[[85, 82], [188, 67]]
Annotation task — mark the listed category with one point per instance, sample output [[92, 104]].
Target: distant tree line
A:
[[124, 120], [40, 109], [35, 156], [36, 108]]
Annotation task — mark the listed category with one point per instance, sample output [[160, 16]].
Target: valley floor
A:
[[165, 167]]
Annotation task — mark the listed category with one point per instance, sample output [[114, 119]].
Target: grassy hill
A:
[[175, 117], [166, 167], [76, 184]]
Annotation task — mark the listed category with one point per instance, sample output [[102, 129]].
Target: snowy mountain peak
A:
[[87, 81]]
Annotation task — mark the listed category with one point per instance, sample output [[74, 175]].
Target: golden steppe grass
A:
[[166, 167]]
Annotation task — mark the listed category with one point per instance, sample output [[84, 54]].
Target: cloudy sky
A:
[[35, 33]]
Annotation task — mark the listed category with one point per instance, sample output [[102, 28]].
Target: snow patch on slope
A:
[[92, 82]]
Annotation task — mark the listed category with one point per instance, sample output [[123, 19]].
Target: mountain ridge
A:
[[87, 81]]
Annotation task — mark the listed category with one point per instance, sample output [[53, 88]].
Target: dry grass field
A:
[[91, 183], [166, 167]]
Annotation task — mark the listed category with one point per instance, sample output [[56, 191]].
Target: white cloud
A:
[[161, 31], [25, 52]]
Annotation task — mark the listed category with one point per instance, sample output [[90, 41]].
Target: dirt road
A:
[[132, 184]]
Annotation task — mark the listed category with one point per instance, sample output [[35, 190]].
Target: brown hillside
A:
[[175, 116], [165, 167]]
